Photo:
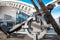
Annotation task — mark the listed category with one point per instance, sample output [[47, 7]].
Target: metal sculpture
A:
[[38, 26]]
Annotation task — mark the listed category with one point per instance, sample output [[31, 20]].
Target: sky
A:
[[55, 12]]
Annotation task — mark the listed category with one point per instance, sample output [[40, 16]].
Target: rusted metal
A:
[[49, 16], [59, 19]]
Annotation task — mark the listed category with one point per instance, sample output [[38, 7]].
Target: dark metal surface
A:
[[49, 16]]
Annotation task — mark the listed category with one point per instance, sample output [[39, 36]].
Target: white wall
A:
[[7, 10]]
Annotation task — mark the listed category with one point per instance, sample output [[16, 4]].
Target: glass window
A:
[[19, 6], [22, 7], [25, 8], [21, 16]]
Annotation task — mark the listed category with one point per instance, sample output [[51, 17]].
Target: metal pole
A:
[[35, 36], [49, 16]]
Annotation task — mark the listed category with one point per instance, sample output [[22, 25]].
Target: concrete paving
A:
[[26, 37]]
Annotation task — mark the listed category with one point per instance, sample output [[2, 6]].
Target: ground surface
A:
[[25, 37]]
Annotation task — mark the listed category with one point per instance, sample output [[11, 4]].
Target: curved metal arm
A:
[[15, 28], [19, 26]]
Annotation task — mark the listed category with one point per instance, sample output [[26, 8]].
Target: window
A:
[[14, 4], [22, 7], [29, 9], [21, 16], [25, 8], [7, 17]]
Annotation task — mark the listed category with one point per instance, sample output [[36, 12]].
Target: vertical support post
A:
[[35, 36], [59, 20]]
